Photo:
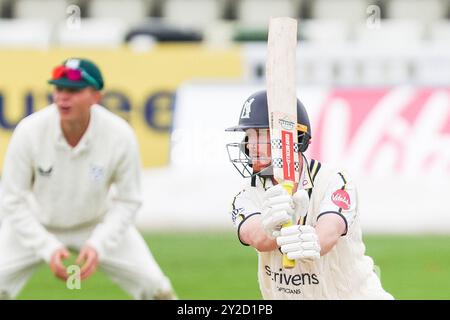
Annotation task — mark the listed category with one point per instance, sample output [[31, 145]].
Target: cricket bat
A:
[[282, 104]]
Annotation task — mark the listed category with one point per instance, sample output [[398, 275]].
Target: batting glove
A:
[[301, 203], [278, 209], [299, 242]]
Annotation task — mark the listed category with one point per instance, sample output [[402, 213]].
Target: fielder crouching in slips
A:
[[71, 180]]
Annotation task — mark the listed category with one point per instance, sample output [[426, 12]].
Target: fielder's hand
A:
[[56, 263], [299, 242], [88, 260], [278, 209]]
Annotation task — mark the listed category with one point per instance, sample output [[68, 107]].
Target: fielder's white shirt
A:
[[343, 273], [48, 185]]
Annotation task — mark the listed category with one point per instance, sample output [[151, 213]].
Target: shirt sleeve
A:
[[17, 201], [340, 198], [242, 207], [126, 201]]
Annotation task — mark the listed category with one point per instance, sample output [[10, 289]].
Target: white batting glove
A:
[[278, 209], [301, 203], [299, 242]]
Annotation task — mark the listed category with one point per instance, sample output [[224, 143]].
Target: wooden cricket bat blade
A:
[[282, 104]]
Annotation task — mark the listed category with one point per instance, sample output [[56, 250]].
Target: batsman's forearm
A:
[[253, 234], [329, 229], [327, 241]]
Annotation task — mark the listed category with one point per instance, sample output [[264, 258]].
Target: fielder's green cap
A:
[[77, 73]]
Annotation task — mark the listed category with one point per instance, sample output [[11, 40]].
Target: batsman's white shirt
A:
[[48, 185], [343, 273]]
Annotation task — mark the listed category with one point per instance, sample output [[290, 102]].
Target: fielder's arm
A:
[[16, 196]]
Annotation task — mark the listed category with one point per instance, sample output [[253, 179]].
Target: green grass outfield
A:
[[215, 266]]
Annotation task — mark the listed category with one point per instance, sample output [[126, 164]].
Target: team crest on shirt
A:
[[96, 173], [341, 198]]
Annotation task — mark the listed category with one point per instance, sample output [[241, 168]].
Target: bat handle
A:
[[288, 263]]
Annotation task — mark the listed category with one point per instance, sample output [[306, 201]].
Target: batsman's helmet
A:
[[255, 115]]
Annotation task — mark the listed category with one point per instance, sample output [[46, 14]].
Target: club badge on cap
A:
[[73, 63]]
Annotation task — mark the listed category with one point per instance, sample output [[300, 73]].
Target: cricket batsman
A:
[[71, 180], [325, 240]]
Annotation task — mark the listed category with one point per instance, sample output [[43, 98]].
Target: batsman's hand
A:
[[88, 260], [278, 209], [299, 242], [57, 265]]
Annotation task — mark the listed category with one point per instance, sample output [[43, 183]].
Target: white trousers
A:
[[130, 265]]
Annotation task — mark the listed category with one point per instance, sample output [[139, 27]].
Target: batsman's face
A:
[[258, 147], [74, 104]]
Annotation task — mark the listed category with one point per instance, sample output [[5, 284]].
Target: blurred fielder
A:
[[326, 242], [71, 179]]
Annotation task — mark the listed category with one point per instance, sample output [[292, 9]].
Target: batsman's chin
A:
[[265, 170]]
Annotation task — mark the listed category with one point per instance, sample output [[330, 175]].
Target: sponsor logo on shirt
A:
[[341, 199], [298, 279], [45, 172]]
